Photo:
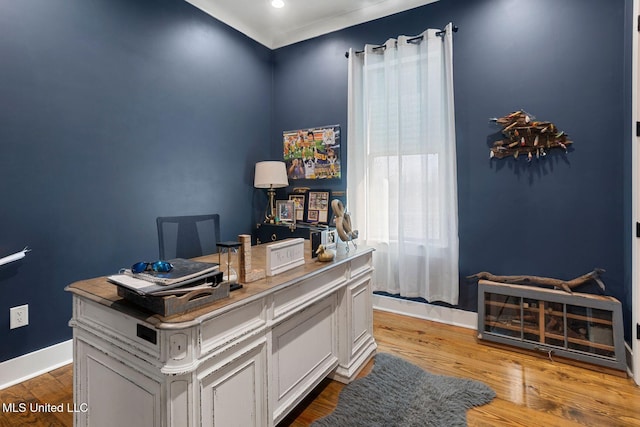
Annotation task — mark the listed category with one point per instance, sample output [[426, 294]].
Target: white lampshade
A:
[[270, 174]]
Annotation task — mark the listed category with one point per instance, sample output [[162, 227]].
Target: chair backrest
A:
[[188, 236]]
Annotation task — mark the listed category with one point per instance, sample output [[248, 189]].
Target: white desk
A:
[[244, 361]]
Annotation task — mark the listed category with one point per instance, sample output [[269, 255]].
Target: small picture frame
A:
[[298, 204], [318, 206], [285, 210]]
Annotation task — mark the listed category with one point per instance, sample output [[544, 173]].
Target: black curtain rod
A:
[[411, 40]]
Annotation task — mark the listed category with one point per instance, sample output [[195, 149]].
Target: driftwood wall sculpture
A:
[[523, 135], [566, 285]]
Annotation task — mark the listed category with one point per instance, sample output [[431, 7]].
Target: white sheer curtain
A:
[[401, 170]]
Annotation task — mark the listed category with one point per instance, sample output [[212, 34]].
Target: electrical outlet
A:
[[19, 316]]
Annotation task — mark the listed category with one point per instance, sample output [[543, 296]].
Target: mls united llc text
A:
[[21, 407]]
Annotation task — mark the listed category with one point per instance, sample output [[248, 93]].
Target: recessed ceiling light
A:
[[277, 4]]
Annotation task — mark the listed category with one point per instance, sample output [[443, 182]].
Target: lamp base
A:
[[271, 212]]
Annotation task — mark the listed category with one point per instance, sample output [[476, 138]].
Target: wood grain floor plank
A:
[[531, 390], [56, 390], [20, 407]]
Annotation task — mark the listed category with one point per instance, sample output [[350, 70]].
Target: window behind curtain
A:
[[401, 183]]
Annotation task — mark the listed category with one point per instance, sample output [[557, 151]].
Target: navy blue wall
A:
[[114, 112], [563, 61]]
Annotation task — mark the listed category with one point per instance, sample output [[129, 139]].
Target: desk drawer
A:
[[232, 326], [361, 264], [267, 233], [115, 326], [295, 297]]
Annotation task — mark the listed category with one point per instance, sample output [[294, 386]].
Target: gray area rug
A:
[[398, 393]]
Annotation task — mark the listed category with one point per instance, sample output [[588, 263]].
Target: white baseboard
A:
[[31, 365], [436, 313], [628, 352]]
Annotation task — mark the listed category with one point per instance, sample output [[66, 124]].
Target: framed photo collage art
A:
[[310, 155]]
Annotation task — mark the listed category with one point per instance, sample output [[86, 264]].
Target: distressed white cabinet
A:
[[247, 360]]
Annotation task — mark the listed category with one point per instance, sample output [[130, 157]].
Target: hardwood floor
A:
[[531, 390], [54, 388]]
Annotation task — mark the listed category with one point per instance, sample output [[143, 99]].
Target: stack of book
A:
[[185, 276]]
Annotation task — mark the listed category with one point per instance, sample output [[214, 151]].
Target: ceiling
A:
[[299, 19]]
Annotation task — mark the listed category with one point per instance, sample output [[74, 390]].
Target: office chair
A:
[[188, 236]]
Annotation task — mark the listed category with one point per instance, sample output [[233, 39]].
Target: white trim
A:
[[628, 353], [635, 200], [284, 36], [449, 316], [275, 28], [39, 362]]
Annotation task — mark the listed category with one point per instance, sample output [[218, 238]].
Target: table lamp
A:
[[270, 175]]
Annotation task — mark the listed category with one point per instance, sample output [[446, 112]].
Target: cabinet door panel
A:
[[304, 352], [116, 394], [361, 316], [239, 383]]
